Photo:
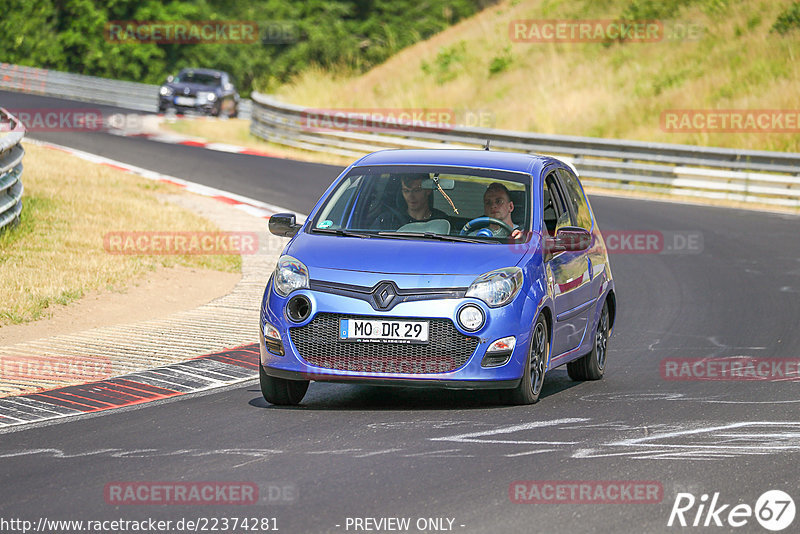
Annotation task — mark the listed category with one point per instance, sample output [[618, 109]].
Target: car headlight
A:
[[497, 288], [290, 274], [165, 91], [205, 95]]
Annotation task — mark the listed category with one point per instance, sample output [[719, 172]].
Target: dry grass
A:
[[614, 91], [56, 254]]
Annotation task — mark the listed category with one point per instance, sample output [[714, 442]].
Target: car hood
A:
[[193, 87], [400, 256]]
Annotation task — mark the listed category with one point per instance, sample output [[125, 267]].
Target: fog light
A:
[[272, 339], [499, 352], [471, 318], [506, 344], [298, 308]]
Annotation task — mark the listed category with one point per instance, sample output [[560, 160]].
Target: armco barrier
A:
[[716, 173], [11, 152], [127, 95]]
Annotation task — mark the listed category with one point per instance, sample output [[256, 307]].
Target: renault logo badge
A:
[[383, 295]]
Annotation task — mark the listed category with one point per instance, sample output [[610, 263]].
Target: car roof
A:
[[483, 159]]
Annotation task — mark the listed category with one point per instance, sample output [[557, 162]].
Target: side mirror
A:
[[568, 238], [170, 78], [284, 225]]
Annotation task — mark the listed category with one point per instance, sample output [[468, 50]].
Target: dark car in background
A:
[[207, 91]]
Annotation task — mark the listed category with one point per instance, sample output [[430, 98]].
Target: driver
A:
[[498, 205]]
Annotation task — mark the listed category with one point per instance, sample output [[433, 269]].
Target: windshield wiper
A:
[[430, 235], [339, 231]]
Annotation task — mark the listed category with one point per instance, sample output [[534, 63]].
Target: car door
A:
[[584, 219], [568, 273]]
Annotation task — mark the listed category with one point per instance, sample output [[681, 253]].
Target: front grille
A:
[[318, 343]]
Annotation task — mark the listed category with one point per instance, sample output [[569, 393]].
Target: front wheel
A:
[[533, 376], [593, 365], [280, 391]]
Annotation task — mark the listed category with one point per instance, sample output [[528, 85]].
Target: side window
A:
[[577, 199], [555, 212]]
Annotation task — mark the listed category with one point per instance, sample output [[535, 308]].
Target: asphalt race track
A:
[[370, 452]]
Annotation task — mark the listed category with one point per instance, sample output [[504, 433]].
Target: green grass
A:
[[716, 54]]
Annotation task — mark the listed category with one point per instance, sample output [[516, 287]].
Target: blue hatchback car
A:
[[467, 269]]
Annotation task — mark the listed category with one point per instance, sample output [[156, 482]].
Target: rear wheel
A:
[[593, 365], [533, 376], [280, 391]]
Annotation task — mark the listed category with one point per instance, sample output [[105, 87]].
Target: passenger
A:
[[418, 200], [498, 205], [419, 207]]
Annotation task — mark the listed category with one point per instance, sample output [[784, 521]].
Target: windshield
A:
[[425, 202], [199, 78]]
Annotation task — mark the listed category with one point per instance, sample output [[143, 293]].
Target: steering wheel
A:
[[484, 222]]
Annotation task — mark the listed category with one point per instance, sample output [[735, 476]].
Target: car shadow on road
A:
[[323, 396]]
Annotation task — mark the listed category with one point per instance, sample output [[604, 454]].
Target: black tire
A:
[[235, 113], [533, 376], [593, 365], [280, 391]]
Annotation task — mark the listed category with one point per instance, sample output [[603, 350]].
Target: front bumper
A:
[[166, 102], [454, 359]]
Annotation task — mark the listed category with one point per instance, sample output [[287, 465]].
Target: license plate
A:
[[383, 331], [184, 101]]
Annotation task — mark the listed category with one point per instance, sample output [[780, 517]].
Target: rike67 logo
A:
[[774, 510]]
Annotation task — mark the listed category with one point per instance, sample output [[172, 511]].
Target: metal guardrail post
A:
[[11, 152]]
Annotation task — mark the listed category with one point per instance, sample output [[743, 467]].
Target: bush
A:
[[788, 19], [501, 62], [448, 63], [335, 34]]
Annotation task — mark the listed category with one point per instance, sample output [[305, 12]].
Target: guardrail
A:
[[128, 95], [714, 173], [11, 152]]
